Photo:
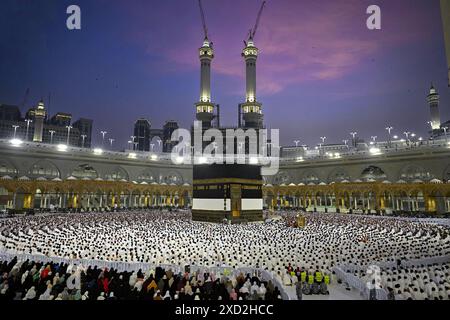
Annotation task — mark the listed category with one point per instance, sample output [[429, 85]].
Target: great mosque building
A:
[[402, 175]]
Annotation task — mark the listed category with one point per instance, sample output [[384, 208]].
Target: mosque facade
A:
[[35, 175]]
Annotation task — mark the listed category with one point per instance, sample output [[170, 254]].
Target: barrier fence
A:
[[346, 273], [144, 267]]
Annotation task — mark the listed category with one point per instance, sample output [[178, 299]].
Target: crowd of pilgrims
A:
[[159, 238], [28, 280]]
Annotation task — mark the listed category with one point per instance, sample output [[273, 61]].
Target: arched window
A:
[[7, 170], [146, 176], [281, 178], [338, 176], [116, 174], [310, 177], [84, 171], [372, 173], [44, 169], [172, 178], [412, 173]]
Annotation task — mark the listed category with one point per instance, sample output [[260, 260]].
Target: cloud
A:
[[299, 41]]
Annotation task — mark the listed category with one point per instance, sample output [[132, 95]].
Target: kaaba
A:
[[227, 191]]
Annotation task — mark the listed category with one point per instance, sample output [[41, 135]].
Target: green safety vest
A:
[[319, 277], [303, 276], [327, 280], [310, 279]]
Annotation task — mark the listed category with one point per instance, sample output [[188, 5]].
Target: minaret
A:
[[39, 116], [433, 102], [251, 108], [204, 108]]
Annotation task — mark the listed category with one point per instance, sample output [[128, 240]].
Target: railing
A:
[[166, 157], [136, 266], [358, 284], [345, 273]]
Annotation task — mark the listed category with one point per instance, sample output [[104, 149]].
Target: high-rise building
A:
[[168, 128], [9, 113], [84, 127], [34, 126], [61, 119], [142, 134]]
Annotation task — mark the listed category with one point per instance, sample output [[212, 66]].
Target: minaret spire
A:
[[251, 108], [433, 103], [205, 108]]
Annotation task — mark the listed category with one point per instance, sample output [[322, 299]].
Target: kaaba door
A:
[[236, 200]]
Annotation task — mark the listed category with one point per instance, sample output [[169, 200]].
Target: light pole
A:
[[133, 142], [130, 144], [345, 141], [296, 142], [151, 146], [103, 137], [445, 133], [83, 136], [15, 131], [322, 144], [406, 133], [52, 132], [159, 143], [374, 139], [68, 134], [28, 126], [111, 142], [389, 129], [353, 134]]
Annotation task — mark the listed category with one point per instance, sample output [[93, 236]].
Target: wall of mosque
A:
[[37, 176]]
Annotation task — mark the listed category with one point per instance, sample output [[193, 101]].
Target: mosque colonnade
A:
[[361, 197]]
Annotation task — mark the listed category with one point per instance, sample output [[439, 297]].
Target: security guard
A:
[[303, 276], [327, 279], [319, 277], [310, 279]]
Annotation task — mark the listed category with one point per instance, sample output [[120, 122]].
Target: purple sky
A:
[[321, 72]]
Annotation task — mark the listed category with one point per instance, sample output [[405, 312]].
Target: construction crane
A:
[[255, 28], [25, 99], [202, 12]]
